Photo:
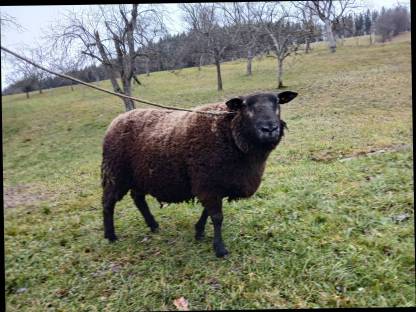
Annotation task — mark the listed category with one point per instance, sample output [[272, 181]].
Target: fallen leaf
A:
[[21, 290], [401, 217], [181, 304], [144, 239]]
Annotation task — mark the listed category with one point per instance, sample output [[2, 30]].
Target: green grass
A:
[[320, 232]]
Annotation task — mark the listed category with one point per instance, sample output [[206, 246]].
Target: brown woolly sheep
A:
[[177, 156]]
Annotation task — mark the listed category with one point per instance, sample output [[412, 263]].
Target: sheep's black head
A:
[[258, 120]]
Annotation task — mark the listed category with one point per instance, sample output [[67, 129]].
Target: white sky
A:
[[37, 19]]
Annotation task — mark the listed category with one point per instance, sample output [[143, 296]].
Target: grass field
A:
[[321, 231]]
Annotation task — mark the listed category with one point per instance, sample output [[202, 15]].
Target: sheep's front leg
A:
[[219, 247], [214, 209], [200, 225]]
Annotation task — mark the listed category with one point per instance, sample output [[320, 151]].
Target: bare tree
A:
[[239, 14], [23, 80], [329, 12], [307, 19], [29, 77], [392, 21], [113, 35], [272, 18], [207, 23]]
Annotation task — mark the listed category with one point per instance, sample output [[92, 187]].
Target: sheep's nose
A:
[[269, 127]]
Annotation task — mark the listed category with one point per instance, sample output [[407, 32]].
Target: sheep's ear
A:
[[286, 96], [235, 103]]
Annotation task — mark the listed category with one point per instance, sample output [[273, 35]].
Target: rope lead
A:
[[215, 113]]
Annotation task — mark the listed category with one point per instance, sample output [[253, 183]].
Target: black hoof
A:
[[154, 228], [111, 237], [220, 251]]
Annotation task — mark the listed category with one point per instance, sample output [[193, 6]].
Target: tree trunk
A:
[[219, 79], [279, 73], [307, 45], [107, 64], [279, 57], [113, 79], [201, 60], [27, 95], [38, 85], [147, 67], [96, 76], [249, 61], [332, 44], [372, 37], [129, 104]]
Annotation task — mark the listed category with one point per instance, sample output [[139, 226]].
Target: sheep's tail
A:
[[106, 174], [103, 174]]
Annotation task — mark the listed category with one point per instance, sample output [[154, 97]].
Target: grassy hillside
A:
[[330, 226]]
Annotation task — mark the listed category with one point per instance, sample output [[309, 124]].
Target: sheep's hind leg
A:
[[200, 225], [141, 204], [109, 202]]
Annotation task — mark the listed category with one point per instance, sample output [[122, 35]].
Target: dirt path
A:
[[392, 148], [25, 195], [329, 156]]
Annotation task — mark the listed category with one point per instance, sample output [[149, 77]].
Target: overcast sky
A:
[[37, 19]]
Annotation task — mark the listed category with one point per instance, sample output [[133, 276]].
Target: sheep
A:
[[177, 156]]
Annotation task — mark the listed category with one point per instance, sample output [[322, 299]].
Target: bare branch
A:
[[113, 35]]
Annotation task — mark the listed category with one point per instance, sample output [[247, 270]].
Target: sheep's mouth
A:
[[271, 139]]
